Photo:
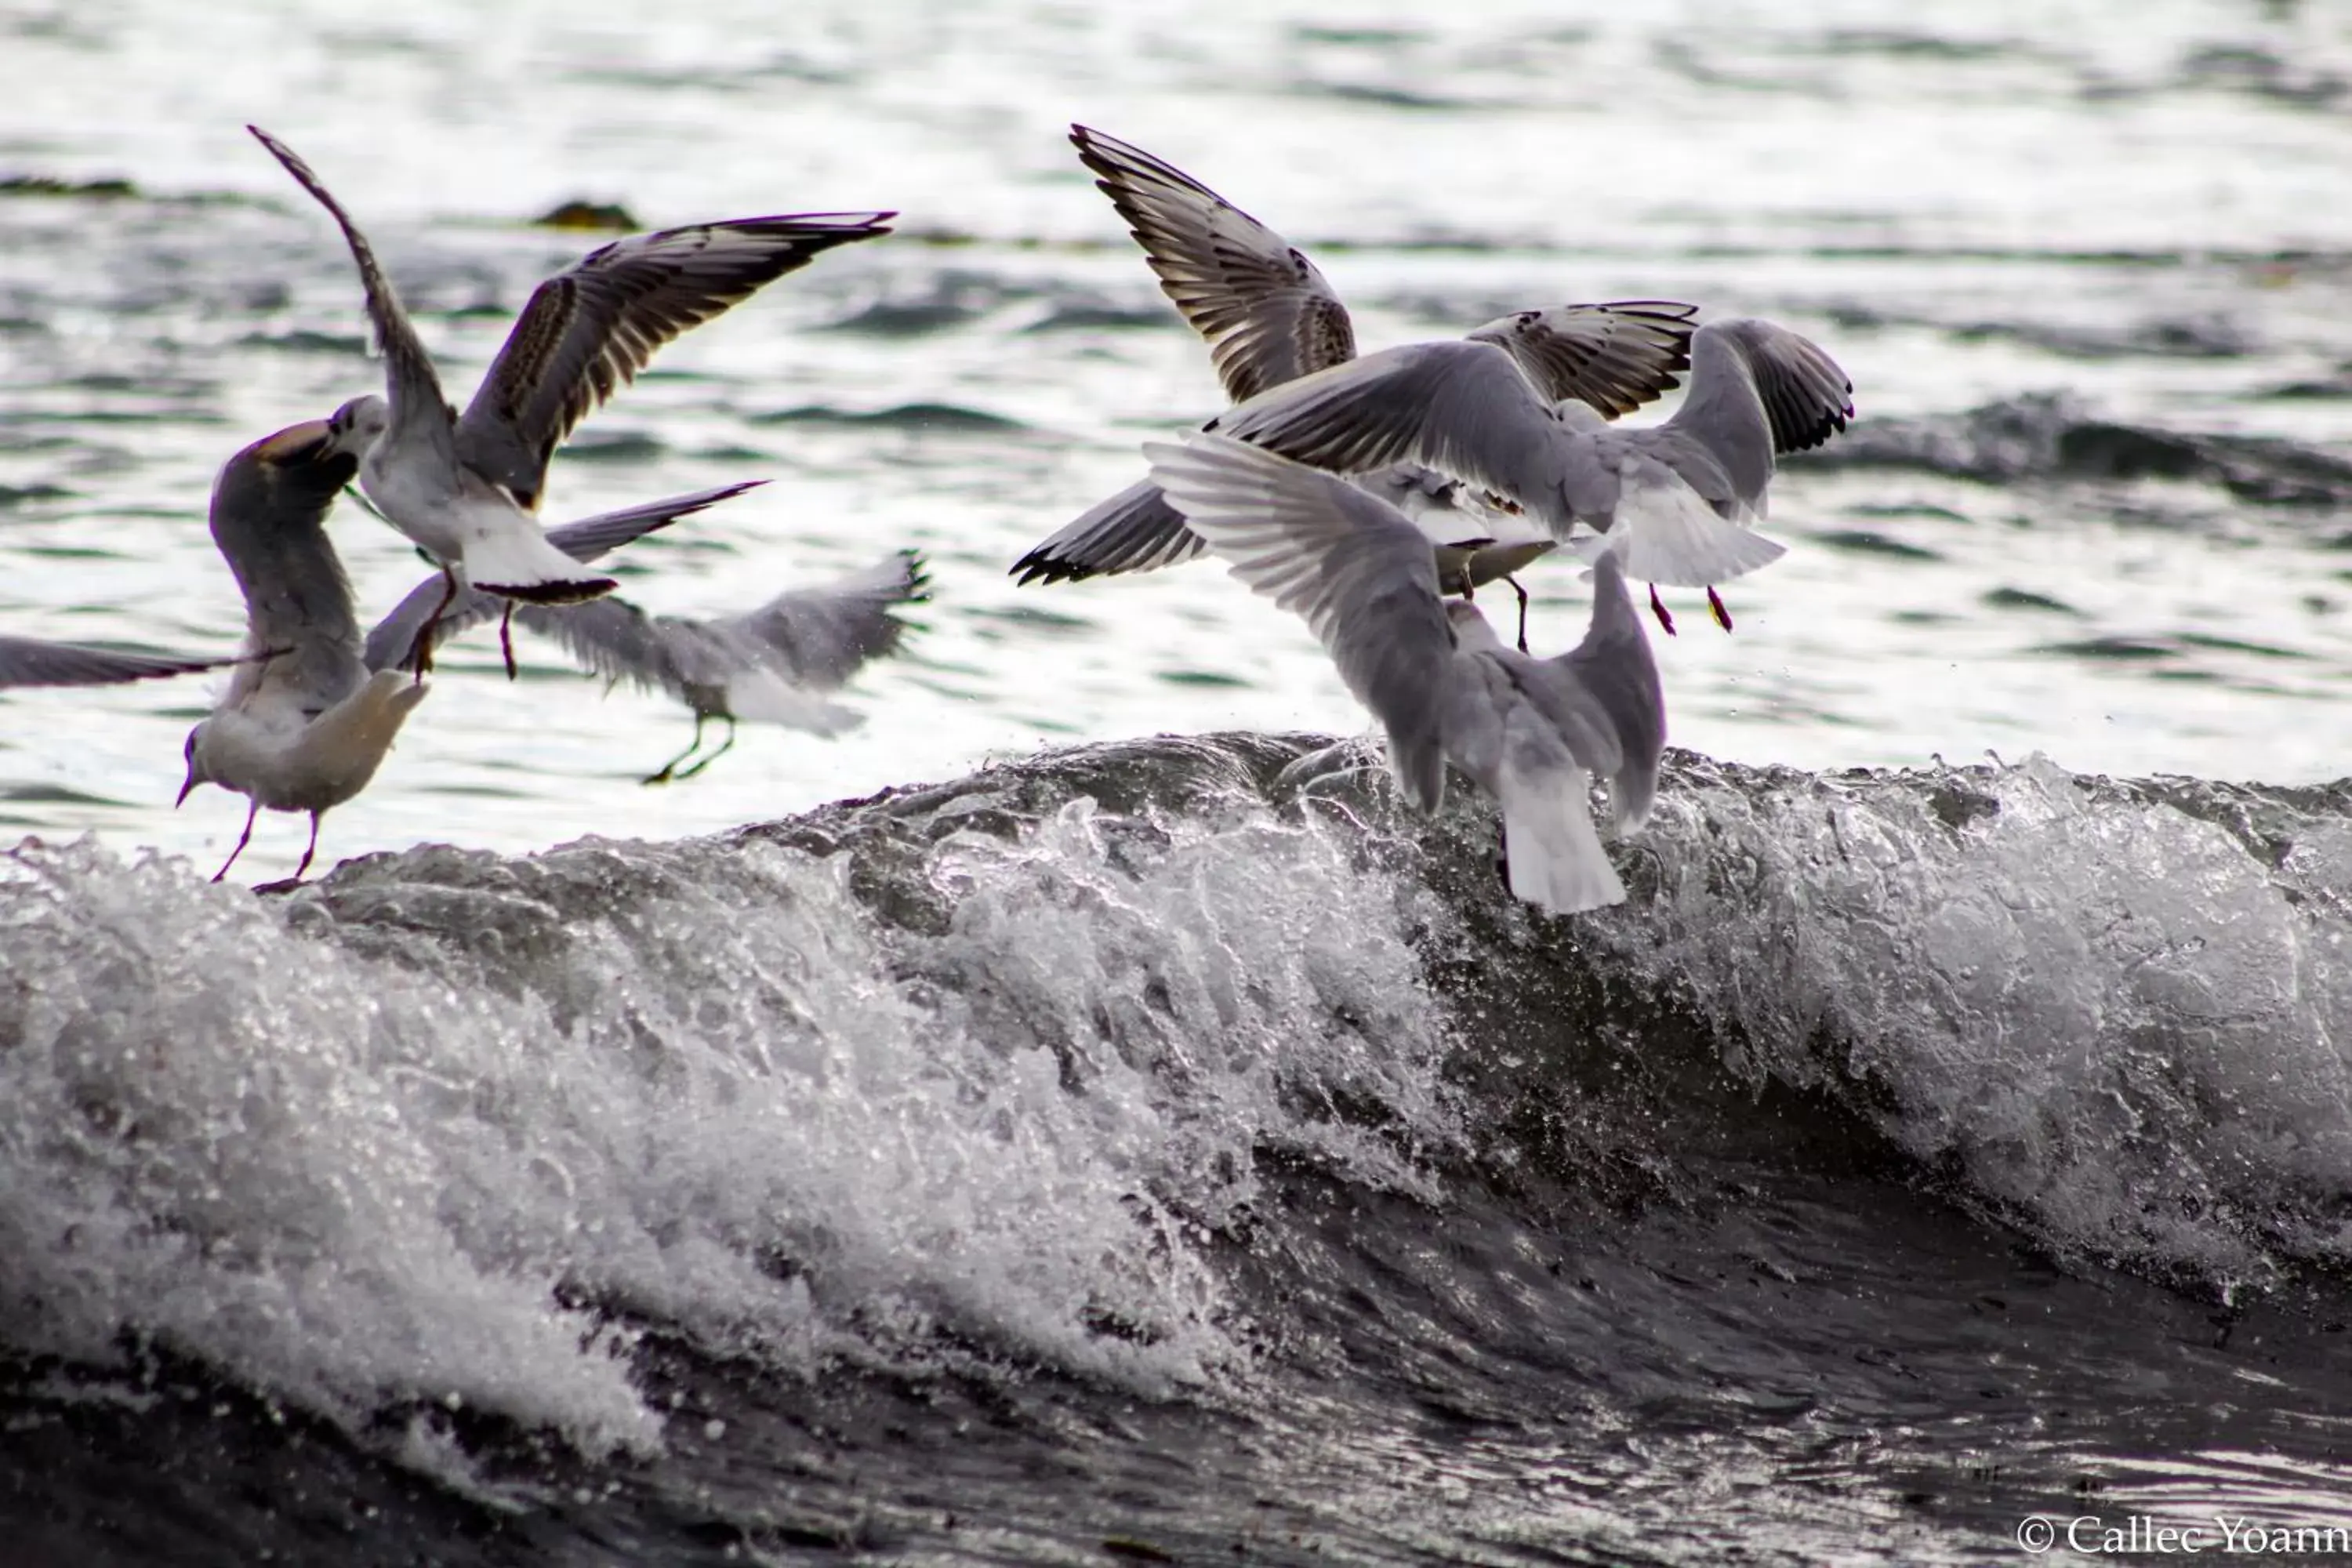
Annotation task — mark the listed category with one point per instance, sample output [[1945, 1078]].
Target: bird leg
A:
[[242, 839], [312, 849], [669, 769], [1658, 608], [420, 657], [1522, 593], [724, 746], [1716, 606], [506, 638]]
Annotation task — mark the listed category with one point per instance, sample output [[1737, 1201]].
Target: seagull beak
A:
[[189, 784], [298, 443]]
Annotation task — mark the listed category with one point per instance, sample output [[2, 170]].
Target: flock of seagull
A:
[[1372, 495]]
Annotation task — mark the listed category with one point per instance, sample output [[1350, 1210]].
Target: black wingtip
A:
[[1036, 568], [559, 591]]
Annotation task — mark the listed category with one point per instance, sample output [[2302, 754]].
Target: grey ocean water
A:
[[1104, 1154]]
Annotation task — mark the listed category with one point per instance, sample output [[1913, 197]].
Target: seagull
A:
[[1530, 731], [34, 661], [776, 663], [1270, 318], [467, 488], [305, 725], [1680, 491]]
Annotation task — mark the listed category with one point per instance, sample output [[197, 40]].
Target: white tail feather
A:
[[1673, 537], [1555, 856], [511, 554]]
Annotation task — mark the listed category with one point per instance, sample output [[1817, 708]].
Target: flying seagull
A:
[[1532, 733], [467, 488], [1676, 496], [1270, 317], [775, 664]]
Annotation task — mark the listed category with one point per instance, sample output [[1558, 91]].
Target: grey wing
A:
[[1605, 698], [1362, 575], [392, 643], [616, 639], [1615, 357], [420, 414], [1806, 396], [1268, 315], [1462, 407], [819, 638], [1134, 531], [591, 328], [31, 661]]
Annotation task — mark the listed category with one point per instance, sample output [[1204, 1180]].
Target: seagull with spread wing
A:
[[1270, 318], [1676, 496], [467, 488], [1532, 733], [777, 664]]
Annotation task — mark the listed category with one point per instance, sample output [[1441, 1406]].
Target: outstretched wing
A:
[[1464, 407], [32, 661], [1268, 315], [1806, 396], [1362, 576], [1615, 357], [591, 328], [1134, 531], [420, 414], [819, 638]]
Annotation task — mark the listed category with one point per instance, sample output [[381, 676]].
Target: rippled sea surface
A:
[[1112, 1156]]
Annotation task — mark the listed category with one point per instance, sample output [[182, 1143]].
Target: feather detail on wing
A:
[[588, 330], [1614, 357], [420, 414], [1134, 531], [1267, 313]]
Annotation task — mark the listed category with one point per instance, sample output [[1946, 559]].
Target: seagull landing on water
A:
[[34, 661], [1270, 318], [1532, 733], [306, 724], [1675, 496], [467, 488]]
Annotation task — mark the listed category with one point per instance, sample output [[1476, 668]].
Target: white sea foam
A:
[[2102, 1012], [364, 1146]]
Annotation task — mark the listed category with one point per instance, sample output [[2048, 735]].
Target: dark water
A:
[[1914, 1153]]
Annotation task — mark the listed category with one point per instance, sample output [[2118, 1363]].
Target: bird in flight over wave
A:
[[1532, 733], [1270, 317], [467, 488], [777, 664], [1677, 498]]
